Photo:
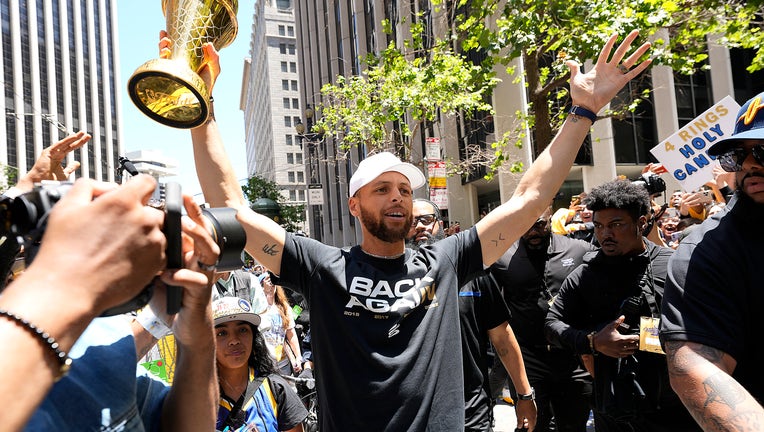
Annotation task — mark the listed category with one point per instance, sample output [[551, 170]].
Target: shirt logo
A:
[[567, 262]]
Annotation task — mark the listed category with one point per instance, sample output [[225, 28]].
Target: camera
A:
[[651, 182], [25, 218], [630, 309]]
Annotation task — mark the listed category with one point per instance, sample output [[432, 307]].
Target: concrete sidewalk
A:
[[506, 421]]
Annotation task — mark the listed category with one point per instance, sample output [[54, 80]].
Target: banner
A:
[[684, 153], [436, 172]]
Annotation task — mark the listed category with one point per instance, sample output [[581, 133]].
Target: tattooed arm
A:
[[701, 376], [265, 238], [591, 90]]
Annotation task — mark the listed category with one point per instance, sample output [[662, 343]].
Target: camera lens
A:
[[229, 236]]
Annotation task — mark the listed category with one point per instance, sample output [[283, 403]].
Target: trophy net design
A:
[[169, 90]]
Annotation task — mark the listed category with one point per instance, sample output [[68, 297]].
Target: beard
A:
[[415, 244], [378, 229]]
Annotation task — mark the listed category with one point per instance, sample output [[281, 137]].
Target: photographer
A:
[[102, 247], [598, 312]]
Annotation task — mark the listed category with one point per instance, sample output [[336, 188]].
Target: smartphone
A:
[[706, 196], [675, 236]]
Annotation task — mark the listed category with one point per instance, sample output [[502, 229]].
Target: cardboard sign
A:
[[684, 154]]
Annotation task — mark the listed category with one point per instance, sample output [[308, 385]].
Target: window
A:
[[288, 139], [292, 195], [284, 84], [290, 176], [293, 67], [282, 48], [290, 31], [284, 67], [301, 194], [282, 30], [300, 177], [296, 119], [298, 158], [286, 103], [290, 158], [295, 103], [294, 85], [291, 49], [288, 121]]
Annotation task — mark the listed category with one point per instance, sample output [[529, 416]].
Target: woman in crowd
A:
[[252, 395], [278, 329]]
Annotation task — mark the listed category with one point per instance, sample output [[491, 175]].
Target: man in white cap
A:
[[711, 323], [384, 319]]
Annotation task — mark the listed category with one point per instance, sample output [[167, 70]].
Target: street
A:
[[506, 421]]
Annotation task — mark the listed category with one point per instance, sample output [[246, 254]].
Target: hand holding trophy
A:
[[169, 90]]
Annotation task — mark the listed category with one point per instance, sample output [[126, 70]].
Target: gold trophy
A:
[[170, 90]]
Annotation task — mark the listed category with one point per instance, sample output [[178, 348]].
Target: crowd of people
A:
[[599, 307]]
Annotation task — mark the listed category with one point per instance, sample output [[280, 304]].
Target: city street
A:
[[506, 420]]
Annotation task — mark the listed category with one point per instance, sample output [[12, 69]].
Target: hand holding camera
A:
[[610, 342]]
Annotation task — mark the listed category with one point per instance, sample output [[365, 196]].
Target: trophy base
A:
[[170, 93]]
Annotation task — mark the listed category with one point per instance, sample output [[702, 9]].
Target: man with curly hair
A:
[[599, 310]]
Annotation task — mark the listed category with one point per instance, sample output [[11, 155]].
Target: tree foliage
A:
[[292, 215], [415, 84]]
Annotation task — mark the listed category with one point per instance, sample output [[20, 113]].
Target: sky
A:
[[139, 24]]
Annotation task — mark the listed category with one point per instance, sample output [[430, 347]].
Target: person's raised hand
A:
[[48, 165], [595, 88]]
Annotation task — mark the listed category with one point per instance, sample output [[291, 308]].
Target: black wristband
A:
[[530, 396], [64, 360], [580, 111]]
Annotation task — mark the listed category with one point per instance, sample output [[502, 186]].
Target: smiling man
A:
[[599, 309], [384, 319], [711, 326]]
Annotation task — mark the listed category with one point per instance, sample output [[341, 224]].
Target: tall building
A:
[[60, 63], [270, 100], [332, 37]]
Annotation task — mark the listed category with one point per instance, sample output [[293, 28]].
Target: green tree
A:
[[292, 215], [407, 87]]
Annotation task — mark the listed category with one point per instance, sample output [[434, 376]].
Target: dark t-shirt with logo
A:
[[385, 332]]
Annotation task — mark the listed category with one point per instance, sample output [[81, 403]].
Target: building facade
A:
[[332, 37], [270, 100], [60, 63]]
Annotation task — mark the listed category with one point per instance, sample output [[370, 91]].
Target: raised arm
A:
[[592, 91], [701, 376], [265, 238]]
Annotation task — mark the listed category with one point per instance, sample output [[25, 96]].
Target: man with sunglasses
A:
[[711, 323], [530, 274], [483, 317]]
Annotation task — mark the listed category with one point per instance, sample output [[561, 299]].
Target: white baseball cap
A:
[[380, 163], [227, 309]]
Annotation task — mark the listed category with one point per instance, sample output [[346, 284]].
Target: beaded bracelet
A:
[[63, 359]]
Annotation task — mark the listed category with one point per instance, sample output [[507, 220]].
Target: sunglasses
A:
[[732, 160], [426, 219]]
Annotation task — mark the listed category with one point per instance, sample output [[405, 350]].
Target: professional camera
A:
[[653, 183], [25, 218], [630, 309]]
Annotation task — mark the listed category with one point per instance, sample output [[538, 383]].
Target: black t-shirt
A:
[[715, 293], [590, 298], [385, 333], [528, 291], [481, 308]]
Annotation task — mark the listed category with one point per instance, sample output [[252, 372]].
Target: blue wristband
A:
[[580, 111]]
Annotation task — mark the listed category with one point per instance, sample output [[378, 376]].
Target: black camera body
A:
[[653, 183], [25, 218]]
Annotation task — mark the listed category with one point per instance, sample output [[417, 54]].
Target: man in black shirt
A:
[[483, 316], [601, 306], [530, 274], [711, 325]]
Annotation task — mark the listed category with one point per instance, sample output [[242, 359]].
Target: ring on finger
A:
[[623, 69], [206, 267]]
